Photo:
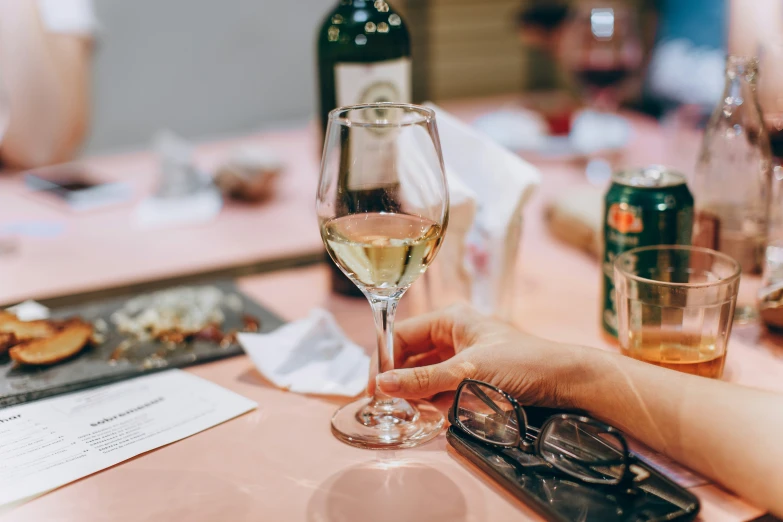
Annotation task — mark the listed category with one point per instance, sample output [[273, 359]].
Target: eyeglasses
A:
[[579, 446]]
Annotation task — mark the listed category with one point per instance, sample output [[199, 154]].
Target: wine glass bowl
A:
[[602, 50], [382, 207]]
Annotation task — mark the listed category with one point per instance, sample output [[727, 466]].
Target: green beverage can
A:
[[643, 207]]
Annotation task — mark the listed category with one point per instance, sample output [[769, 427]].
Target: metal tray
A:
[[94, 365]]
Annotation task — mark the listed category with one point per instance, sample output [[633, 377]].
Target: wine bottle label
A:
[[387, 81], [373, 154]]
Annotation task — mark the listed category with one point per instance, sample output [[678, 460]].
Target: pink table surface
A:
[[103, 248], [281, 462]]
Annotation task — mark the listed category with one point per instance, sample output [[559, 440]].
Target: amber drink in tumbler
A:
[[675, 306]]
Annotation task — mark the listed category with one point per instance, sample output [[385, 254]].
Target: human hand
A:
[[435, 352]]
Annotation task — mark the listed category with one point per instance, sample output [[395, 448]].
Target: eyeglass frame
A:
[[628, 476]]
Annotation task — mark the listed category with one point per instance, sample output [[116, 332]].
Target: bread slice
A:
[[25, 330], [64, 344]]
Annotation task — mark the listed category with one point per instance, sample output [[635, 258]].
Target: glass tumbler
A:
[[675, 306]]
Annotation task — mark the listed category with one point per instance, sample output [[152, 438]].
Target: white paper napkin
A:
[[311, 355], [489, 187], [194, 209], [29, 311]]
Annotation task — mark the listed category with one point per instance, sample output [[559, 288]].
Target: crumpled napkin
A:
[[311, 355], [29, 311]]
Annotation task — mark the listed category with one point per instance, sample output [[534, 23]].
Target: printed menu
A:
[[52, 442]]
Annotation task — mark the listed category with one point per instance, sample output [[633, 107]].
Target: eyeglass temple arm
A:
[[485, 398], [573, 457], [598, 440]]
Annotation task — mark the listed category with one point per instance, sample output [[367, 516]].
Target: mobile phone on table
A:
[[76, 185], [560, 498]]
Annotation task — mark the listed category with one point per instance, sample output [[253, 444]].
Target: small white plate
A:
[[525, 131]]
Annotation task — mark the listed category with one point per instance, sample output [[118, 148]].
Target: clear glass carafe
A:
[[731, 186]]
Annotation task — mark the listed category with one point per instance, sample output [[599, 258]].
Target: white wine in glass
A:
[[383, 210], [382, 252]]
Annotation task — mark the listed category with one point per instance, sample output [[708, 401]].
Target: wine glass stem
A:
[[384, 310], [605, 100]]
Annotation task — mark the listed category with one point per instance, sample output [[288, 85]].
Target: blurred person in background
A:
[[45, 57], [689, 55], [687, 45], [691, 42]]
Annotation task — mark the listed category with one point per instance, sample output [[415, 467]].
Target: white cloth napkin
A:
[[311, 355]]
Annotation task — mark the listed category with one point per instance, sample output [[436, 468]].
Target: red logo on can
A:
[[625, 218]]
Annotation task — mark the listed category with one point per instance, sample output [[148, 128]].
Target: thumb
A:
[[424, 381]]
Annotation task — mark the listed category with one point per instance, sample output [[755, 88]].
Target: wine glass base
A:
[[403, 424]]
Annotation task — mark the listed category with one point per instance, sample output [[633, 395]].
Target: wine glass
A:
[[382, 207], [602, 50]]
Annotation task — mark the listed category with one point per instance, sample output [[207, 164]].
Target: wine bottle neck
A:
[[739, 92], [380, 5], [742, 69], [356, 3]]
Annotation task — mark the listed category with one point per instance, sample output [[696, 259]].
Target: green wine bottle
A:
[[364, 56]]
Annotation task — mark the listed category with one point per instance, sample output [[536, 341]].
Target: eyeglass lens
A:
[[584, 450], [487, 414]]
